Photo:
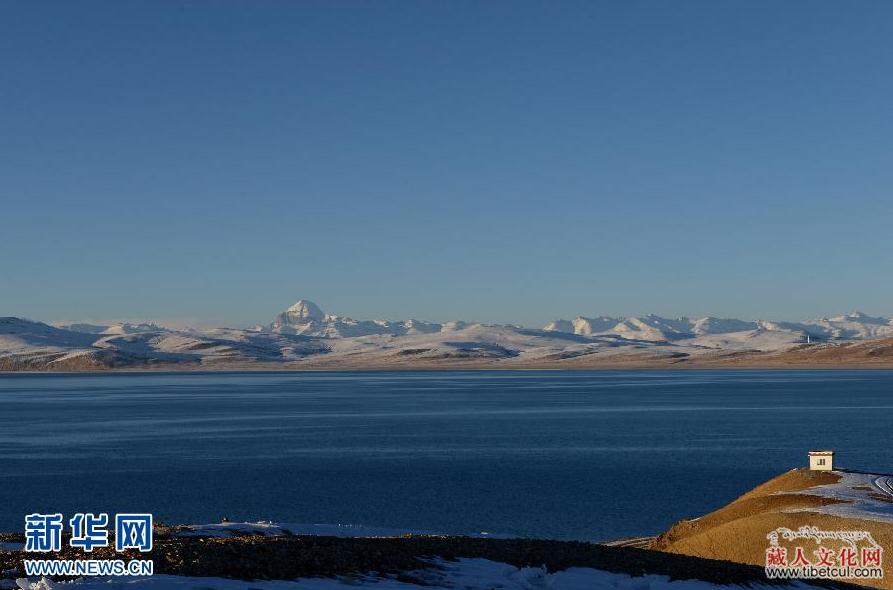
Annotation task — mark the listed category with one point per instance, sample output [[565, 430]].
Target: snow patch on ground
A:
[[865, 496]]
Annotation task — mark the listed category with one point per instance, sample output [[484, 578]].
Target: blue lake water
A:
[[574, 455]]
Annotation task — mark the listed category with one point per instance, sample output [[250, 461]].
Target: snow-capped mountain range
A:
[[303, 336], [854, 326], [306, 318]]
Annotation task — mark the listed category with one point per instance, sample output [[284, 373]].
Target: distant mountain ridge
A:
[[115, 328], [306, 318], [853, 326], [304, 336]]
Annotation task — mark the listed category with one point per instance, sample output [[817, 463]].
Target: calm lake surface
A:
[[573, 455]]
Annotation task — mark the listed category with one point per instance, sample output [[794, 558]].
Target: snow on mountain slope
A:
[[82, 327], [711, 325], [649, 327], [854, 326], [560, 326], [25, 344], [599, 325], [761, 340], [17, 333], [214, 345], [305, 336], [306, 318], [507, 345], [242, 344], [654, 328], [112, 328], [302, 312], [33, 345], [420, 327], [467, 341], [127, 328]]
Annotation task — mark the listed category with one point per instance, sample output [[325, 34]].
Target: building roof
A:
[[821, 452]]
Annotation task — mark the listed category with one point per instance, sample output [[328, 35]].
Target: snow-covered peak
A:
[[305, 311], [307, 319], [302, 317], [559, 326]]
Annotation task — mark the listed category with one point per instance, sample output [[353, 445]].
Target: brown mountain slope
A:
[[830, 501]]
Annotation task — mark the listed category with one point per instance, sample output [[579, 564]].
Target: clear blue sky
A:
[[500, 161]]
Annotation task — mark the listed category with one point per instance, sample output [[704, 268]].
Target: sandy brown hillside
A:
[[830, 501], [865, 354], [870, 353]]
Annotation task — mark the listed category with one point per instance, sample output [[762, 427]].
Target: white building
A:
[[821, 460]]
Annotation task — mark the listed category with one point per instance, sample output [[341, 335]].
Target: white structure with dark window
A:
[[821, 460]]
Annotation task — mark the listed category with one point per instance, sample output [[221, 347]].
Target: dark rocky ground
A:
[[293, 556]]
